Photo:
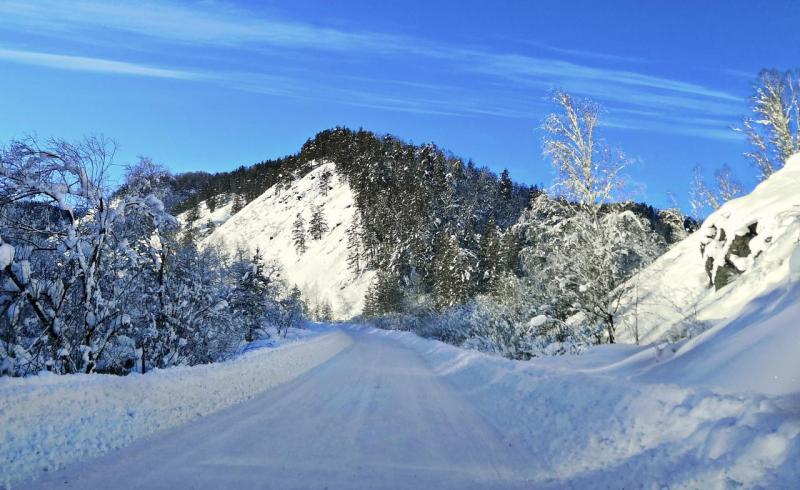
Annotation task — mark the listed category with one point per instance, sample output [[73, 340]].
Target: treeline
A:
[[92, 281], [421, 217], [472, 258], [444, 237]]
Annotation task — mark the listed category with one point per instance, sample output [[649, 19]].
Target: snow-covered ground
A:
[[674, 292], [597, 421], [398, 411], [47, 421], [718, 410], [321, 272]]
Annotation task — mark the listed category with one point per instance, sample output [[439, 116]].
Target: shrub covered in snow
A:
[[98, 282]]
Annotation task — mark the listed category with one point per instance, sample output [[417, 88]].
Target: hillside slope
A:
[[734, 287], [321, 272]]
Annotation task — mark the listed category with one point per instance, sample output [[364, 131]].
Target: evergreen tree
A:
[[505, 185], [317, 225], [238, 203], [489, 257], [324, 182], [450, 273], [324, 312], [354, 245], [193, 215], [250, 300], [299, 234]]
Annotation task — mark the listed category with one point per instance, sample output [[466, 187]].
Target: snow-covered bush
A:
[[94, 281]]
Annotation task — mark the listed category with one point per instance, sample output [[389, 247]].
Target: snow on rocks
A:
[[739, 254], [47, 421]]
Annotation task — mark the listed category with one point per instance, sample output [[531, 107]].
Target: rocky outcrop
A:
[[727, 255]]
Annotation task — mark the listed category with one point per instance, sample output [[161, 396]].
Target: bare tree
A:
[[589, 172], [772, 131], [594, 245], [705, 197]]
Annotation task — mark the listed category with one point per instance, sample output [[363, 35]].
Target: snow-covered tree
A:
[[773, 130], [299, 234], [505, 185], [325, 182], [238, 203], [291, 311], [490, 260], [354, 245], [452, 271], [71, 266], [92, 280], [252, 299], [317, 225], [586, 245]]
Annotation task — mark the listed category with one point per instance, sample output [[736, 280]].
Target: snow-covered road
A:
[[374, 416]]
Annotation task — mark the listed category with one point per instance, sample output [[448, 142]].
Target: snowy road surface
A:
[[373, 416]]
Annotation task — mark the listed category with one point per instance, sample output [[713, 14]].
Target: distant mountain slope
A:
[[433, 229], [321, 272]]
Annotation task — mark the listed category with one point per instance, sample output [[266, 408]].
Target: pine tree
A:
[[299, 234], [370, 300], [505, 186], [251, 295], [354, 246], [317, 225], [324, 312], [238, 203], [489, 258], [324, 182], [193, 215], [450, 272]]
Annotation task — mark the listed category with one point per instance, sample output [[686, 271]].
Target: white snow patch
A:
[[47, 421], [321, 272], [674, 292], [594, 427], [6, 255]]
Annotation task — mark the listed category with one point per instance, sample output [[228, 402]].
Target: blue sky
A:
[[215, 84]]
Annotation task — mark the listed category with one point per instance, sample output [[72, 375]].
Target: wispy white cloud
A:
[[97, 65], [502, 82], [207, 23]]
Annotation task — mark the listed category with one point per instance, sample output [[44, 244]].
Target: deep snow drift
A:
[[750, 338], [675, 292], [47, 421], [398, 411], [321, 272], [584, 424]]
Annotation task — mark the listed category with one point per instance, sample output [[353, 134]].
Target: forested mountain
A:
[[430, 232]]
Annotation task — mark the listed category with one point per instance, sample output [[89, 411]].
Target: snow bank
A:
[[606, 431], [321, 272], [47, 421], [674, 295]]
